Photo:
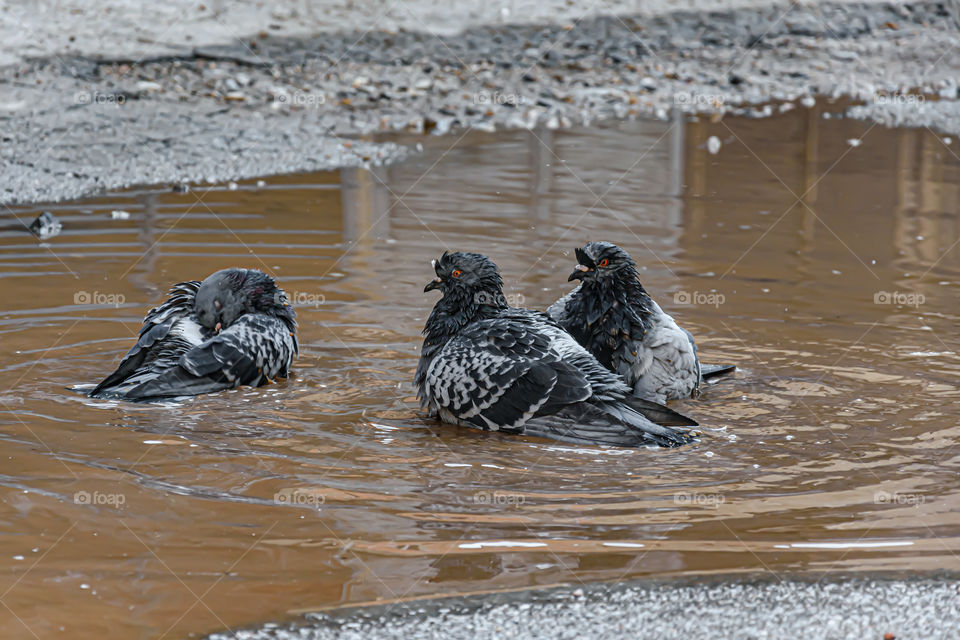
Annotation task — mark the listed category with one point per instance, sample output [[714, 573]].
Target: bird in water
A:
[[234, 328], [613, 317], [485, 364]]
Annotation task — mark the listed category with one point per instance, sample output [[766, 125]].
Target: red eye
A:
[[456, 273], [604, 262]]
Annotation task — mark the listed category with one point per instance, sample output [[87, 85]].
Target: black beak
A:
[[433, 284], [584, 267]]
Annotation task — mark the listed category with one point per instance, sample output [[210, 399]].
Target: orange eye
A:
[[604, 262], [456, 273]]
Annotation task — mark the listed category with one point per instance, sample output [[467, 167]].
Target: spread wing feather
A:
[[167, 332]]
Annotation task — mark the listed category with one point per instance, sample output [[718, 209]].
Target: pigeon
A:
[[613, 317], [488, 365], [234, 328], [45, 226]]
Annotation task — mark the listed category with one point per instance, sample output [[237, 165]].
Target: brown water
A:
[[833, 449]]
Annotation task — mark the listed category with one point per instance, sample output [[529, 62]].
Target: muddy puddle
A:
[[826, 270]]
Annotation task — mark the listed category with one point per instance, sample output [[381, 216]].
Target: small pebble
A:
[[46, 226]]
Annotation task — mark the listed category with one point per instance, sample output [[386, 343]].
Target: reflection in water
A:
[[833, 448]]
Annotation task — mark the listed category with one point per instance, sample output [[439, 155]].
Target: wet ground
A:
[[826, 269]]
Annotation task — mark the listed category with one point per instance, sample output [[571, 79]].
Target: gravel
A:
[[853, 608], [77, 123]]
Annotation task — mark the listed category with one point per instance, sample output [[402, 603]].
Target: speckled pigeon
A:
[[234, 328], [485, 364], [612, 315]]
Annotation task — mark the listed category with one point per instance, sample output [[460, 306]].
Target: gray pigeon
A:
[[612, 315], [234, 328], [485, 364]]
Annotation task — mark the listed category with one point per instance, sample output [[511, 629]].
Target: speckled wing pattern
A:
[[168, 331], [175, 356], [498, 373], [256, 349], [508, 372]]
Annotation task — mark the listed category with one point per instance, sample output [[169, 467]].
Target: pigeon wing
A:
[[252, 351], [154, 333], [499, 373]]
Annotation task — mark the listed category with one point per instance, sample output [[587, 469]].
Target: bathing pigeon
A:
[[234, 328], [488, 365], [612, 315]]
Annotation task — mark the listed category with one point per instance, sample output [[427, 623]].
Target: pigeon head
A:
[[472, 289], [468, 277], [601, 262], [228, 294]]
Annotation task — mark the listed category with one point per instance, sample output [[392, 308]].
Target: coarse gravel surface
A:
[[272, 101]]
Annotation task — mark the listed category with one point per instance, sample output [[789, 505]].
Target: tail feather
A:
[[171, 383], [180, 382], [658, 413], [661, 435], [604, 423], [710, 371]]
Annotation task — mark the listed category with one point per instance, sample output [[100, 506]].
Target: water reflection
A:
[[833, 449]]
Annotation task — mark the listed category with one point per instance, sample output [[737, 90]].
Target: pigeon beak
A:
[[433, 284], [217, 328], [578, 273]]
